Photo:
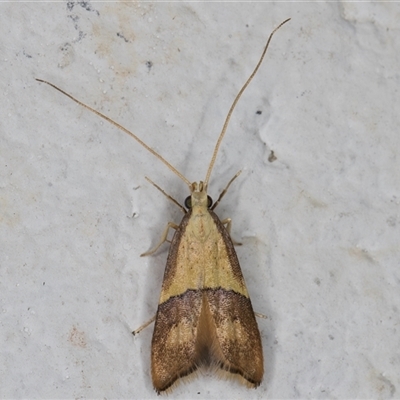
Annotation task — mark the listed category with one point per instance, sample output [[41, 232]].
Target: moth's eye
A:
[[188, 202], [209, 202]]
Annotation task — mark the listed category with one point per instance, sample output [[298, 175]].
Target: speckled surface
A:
[[319, 225]]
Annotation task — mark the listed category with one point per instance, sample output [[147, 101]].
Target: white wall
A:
[[319, 226]]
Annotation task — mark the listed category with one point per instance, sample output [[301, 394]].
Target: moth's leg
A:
[[228, 225], [166, 194], [225, 190], [258, 315], [145, 325], [163, 239]]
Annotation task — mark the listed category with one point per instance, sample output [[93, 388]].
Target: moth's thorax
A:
[[200, 224]]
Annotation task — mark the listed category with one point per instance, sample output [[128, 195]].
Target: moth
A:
[[205, 317]]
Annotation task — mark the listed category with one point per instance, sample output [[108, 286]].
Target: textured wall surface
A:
[[319, 225]]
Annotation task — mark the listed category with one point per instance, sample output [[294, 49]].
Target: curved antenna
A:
[[162, 159], [228, 117]]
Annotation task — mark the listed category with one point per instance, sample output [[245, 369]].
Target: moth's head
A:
[[198, 197]]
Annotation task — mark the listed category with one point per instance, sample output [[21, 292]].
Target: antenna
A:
[[228, 117], [162, 159]]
